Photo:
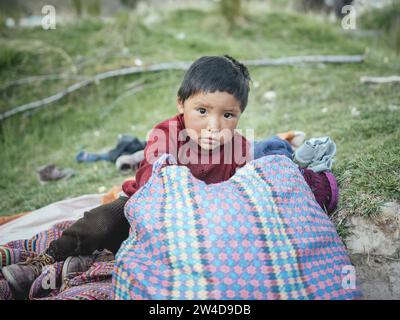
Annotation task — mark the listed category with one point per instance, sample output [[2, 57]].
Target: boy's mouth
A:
[[209, 140]]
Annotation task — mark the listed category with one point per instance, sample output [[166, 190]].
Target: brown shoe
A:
[[20, 276], [51, 173]]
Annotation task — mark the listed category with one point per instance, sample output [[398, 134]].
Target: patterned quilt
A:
[[259, 235], [94, 284]]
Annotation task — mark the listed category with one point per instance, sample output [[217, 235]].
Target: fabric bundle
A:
[[316, 154], [259, 235]]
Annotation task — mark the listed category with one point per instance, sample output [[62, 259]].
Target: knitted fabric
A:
[[94, 284], [259, 235]]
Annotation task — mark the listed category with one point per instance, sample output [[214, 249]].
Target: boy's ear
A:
[[179, 105]]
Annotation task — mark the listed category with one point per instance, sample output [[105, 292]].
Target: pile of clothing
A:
[[127, 155], [314, 157], [316, 154]]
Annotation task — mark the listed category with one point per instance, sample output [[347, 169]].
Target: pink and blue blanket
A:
[[259, 235]]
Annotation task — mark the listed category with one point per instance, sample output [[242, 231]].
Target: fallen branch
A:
[[379, 80], [97, 78], [174, 66], [305, 59], [46, 77]]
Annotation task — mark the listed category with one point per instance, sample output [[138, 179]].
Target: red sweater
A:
[[164, 139]]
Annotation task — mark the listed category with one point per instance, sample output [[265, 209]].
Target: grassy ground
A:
[[317, 99]]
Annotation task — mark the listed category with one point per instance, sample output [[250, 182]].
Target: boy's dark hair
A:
[[216, 73]]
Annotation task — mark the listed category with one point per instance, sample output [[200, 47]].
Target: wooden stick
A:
[[305, 59], [46, 77], [175, 66], [391, 79]]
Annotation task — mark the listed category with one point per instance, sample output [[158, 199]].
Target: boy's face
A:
[[210, 118]]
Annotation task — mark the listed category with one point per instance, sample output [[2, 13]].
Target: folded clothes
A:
[[316, 154]]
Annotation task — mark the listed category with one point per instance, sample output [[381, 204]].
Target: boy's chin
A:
[[208, 146]]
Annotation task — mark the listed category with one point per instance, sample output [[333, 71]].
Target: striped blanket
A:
[[259, 235], [94, 284]]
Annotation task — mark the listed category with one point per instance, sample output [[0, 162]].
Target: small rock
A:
[[181, 36], [125, 51], [10, 23], [151, 19], [270, 96], [355, 112], [138, 62], [102, 189], [324, 110]]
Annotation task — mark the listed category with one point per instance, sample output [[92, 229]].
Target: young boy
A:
[[211, 99]]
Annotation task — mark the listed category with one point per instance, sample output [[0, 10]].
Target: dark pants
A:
[[104, 227]]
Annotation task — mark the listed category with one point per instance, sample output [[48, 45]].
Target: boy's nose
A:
[[213, 125]]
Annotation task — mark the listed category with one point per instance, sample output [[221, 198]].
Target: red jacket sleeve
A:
[[161, 140], [143, 174]]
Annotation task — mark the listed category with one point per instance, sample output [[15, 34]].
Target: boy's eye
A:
[[202, 110], [228, 115]]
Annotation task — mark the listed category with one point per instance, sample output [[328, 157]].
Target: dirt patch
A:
[[374, 249], [379, 235], [377, 277]]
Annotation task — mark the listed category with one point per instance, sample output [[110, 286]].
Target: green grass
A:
[[368, 158], [387, 20]]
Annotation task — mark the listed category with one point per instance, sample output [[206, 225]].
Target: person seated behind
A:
[[211, 99]]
